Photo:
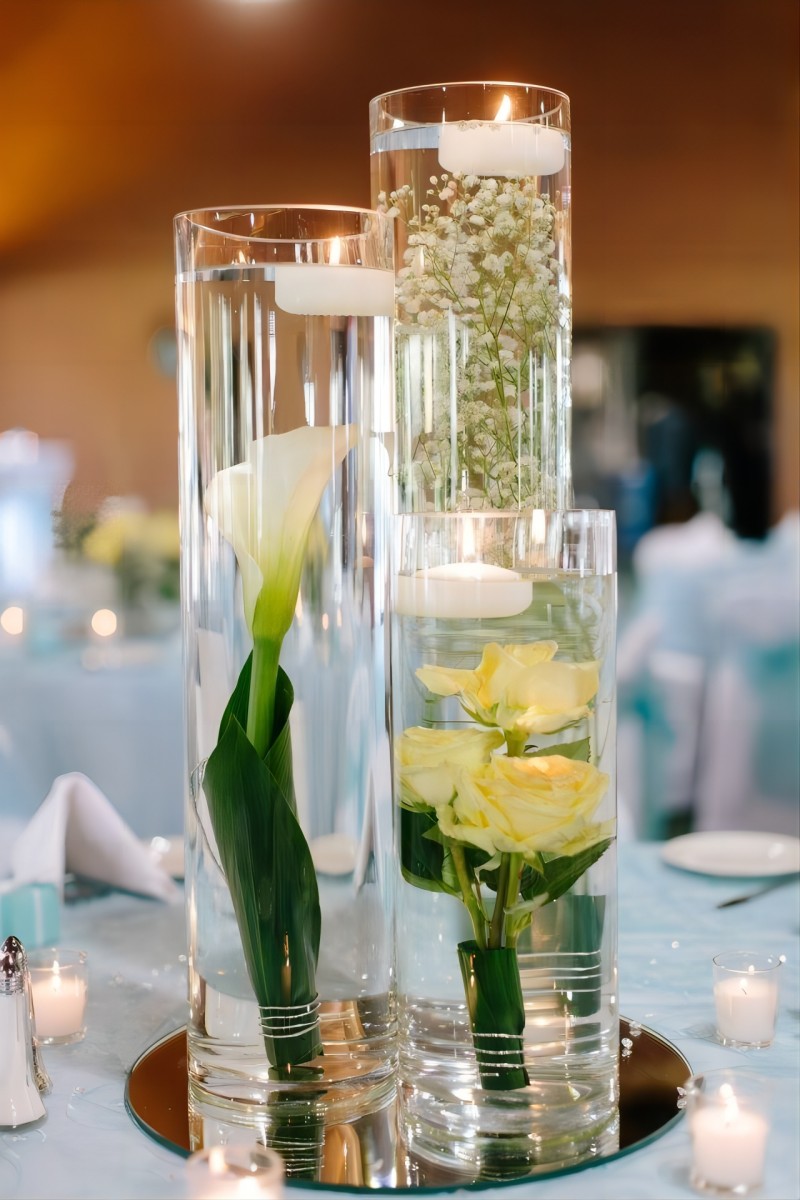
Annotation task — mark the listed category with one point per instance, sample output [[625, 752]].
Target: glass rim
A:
[[190, 216], [269, 1160], [375, 103], [747, 1080], [44, 957], [769, 962], [464, 83], [593, 515]]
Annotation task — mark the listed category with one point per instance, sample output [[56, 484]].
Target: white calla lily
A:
[[264, 508]]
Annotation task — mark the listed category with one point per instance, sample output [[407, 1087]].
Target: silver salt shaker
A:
[[22, 1076]]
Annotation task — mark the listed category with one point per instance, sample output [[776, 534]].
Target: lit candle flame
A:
[[216, 1161], [728, 1098], [12, 620], [504, 111], [104, 622]]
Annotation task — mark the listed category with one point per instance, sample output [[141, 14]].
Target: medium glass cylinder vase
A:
[[504, 734], [477, 179], [284, 320]]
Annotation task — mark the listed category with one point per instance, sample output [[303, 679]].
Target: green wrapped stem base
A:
[[497, 1014]]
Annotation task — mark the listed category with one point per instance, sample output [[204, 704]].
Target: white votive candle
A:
[[334, 290], [513, 148], [746, 997], [59, 988], [462, 591], [728, 1147], [235, 1173]]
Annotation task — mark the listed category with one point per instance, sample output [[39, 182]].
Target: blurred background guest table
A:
[[670, 929], [111, 708]]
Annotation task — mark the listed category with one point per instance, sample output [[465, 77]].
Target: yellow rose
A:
[[527, 806], [519, 688], [427, 761]]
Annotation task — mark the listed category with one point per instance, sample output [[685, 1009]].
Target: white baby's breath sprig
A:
[[480, 250]]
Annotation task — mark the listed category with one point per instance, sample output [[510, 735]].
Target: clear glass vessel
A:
[[503, 701], [284, 319], [477, 179]]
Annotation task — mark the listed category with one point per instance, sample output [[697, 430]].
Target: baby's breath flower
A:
[[481, 252]]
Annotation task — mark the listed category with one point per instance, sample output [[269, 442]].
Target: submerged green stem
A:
[[497, 928], [263, 682], [468, 896]]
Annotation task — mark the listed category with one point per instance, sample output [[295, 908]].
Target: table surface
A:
[[670, 928]]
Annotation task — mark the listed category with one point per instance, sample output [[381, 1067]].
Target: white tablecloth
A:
[[669, 930]]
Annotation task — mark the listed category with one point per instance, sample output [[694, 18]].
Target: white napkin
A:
[[76, 828]]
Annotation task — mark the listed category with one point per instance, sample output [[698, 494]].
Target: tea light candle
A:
[[235, 1173], [59, 989], [463, 591], [501, 148], [746, 998], [334, 290], [728, 1141]]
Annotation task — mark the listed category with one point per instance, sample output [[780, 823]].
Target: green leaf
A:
[[557, 875], [561, 873], [268, 868], [579, 750], [423, 851], [237, 705]]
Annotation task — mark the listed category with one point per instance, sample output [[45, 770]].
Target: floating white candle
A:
[[501, 148], [463, 591], [728, 1146], [334, 290], [746, 1008], [59, 998]]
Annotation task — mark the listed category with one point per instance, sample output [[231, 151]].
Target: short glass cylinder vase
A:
[[477, 179], [284, 319], [503, 685]]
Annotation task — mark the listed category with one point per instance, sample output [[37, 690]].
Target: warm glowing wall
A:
[[685, 175]]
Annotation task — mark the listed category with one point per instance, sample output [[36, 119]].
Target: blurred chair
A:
[[749, 773], [663, 654]]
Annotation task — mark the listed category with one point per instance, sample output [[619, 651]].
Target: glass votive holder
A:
[[60, 989], [727, 1113], [746, 997], [235, 1173]]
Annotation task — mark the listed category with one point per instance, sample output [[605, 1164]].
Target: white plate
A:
[[734, 852]]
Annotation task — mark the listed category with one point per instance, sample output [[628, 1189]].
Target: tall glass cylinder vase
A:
[[477, 177], [285, 338], [504, 612]]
